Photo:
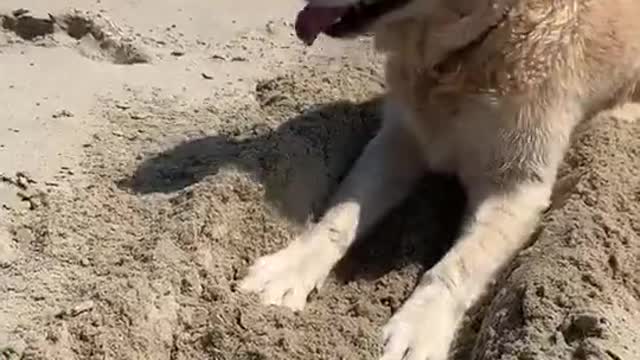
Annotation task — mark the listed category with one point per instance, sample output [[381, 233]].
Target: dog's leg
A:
[[501, 222], [383, 175]]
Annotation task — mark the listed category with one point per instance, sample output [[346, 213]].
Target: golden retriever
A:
[[488, 90]]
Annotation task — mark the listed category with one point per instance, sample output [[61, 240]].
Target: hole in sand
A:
[[93, 41], [26, 26]]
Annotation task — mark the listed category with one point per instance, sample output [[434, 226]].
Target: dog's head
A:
[[348, 18]]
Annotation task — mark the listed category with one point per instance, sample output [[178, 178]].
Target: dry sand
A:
[[149, 151]]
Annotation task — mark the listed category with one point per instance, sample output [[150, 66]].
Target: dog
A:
[[488, 90]]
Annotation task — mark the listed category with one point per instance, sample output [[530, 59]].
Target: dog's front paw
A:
[[288, 276], [422, 329]]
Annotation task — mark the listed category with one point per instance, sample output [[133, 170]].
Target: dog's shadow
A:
[[300, 163]]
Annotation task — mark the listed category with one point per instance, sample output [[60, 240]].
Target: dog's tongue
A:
[[312, 21]]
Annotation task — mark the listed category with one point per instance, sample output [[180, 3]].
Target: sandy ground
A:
[[150, 150]]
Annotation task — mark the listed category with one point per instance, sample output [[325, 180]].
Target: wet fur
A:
[[487, 90]]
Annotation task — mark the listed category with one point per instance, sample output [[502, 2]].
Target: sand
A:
[[150, 151]]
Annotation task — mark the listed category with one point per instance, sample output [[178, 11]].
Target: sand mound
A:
[[142, 260], [575, 294]]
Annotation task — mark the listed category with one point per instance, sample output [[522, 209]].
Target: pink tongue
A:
[[312, 21]]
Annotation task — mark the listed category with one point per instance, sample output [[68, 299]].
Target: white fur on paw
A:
[[287, 277], [421, 330]]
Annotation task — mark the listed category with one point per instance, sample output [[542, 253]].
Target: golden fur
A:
[[489, 90]]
